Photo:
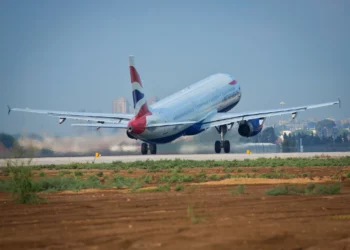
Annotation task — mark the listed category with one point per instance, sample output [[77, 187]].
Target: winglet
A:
[[9, 109], [339, 102]]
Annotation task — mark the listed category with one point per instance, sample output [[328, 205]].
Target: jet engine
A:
[[250, 128]]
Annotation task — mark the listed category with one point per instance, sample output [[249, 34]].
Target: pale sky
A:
[[73, 55]]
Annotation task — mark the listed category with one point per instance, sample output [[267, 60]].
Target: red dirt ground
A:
[[114, 219]]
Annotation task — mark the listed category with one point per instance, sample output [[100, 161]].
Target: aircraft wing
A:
[[219, 119], [63, 115], [123, 125]]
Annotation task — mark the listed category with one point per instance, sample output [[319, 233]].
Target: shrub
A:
[[130, 171], [174, 178], [239, 170], [238, 190], [163, 188], [310, 189], [176, 170], [137, 185], [187, 178], [153, 169], [62, 173], [66, 183], [269, 176], [22, 187], [227, 176], [78, 173], [74, 165], [228, 170], [116, 163], [201, 176], [159, 188], [330, 189], [179, 188], [91, 181], [42, 174], [5, 171], [146, 178], [99, 174], [120, 181], [164, 178], [57, 184], [348, 175], [192, 216], [214, 177], [5, 185], [278, 191]]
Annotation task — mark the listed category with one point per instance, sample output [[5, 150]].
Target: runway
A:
[[196, 157]]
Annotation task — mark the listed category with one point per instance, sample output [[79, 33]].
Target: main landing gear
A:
[[151, 147], [222, 130]]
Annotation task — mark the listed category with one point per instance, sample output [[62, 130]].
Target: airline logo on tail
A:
[[139, 98], [138, 124]]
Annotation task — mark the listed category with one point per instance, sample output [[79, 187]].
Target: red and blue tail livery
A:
[[139, 99]]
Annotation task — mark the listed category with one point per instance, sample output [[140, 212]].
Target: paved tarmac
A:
[[196, 157]]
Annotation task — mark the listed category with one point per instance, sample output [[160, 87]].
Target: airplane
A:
[[190, 111]]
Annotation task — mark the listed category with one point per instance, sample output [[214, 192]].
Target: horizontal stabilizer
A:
[[167, 124], [98, 125], [85, 116]]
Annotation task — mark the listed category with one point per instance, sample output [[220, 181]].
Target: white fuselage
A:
[[198, 102]]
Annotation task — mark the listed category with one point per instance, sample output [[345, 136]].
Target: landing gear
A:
[[144, 148], [218, 147], [226, 146], [222, 143], [151, 147]]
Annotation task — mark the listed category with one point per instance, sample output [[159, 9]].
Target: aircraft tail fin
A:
[[139, 98]]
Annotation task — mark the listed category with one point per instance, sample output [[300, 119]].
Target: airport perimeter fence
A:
[[275, 148], [317, 148]]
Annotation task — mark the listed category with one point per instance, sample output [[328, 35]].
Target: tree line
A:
[[9, 147], [315, 143]]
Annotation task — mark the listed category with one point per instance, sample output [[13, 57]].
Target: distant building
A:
[[311, 125], [121, 105], [345, 121], [131, 108], [287, 132]]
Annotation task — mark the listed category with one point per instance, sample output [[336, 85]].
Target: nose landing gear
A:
[[222, 130], [151, 147]]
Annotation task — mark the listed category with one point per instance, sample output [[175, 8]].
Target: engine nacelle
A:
[[250, 128]]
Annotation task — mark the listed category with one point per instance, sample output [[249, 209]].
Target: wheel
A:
[[144, 148], [153, 149], [227, 146], [217, 147]]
